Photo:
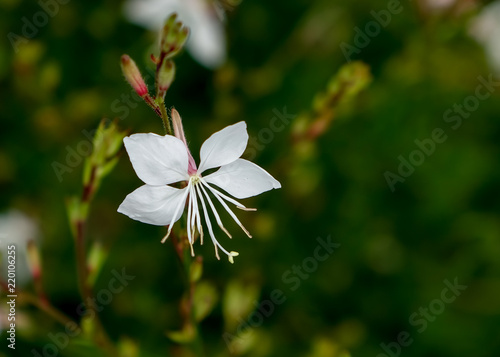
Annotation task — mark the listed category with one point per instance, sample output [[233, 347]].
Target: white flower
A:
[[439, 4], [485, 28], [163, 160], [207, 40], [17, 229]]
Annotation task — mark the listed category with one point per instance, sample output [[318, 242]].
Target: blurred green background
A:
[[396, 248]]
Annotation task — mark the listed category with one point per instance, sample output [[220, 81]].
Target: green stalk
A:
[[100, 336], [188, 316], [164, 116]]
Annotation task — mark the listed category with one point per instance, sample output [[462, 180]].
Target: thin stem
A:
[[41, 303], [81, 261], [100, 336], [164, 116], [152, 104], [188, 313], [47, 308]]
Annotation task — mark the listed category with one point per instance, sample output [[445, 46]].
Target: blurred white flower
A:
[[207, 40], [163, 160], [17, 229], [439, 4], [485, 28]]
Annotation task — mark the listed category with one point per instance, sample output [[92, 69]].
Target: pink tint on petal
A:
[[179, 134], [192, 169]]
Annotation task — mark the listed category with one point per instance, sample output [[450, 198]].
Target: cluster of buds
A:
[[106, 147], [351, 79], [173, 37]]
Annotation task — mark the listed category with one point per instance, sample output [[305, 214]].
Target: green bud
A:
[[196, 270], [96, 258], [238, 302], [128, 348], [165, 77], [173, 37], [346, 84], [106, 145], [204, 300], [184, 336], [34, 259]]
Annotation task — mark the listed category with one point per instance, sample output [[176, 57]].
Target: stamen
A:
[[216, 252], [209, 225], [191, 219], [227, 198], [197, 218], [181, 204], [216, 194], [217, 218], [192, 249], [231, 255], [247, 209], [190, 204]]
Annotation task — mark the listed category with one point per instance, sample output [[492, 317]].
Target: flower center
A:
[[194, 179]]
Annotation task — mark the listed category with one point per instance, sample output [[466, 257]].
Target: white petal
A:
[[151, 13], [207, 42], [177, 212], [157, 160], [243, 179], [224, 146], [153, 204]]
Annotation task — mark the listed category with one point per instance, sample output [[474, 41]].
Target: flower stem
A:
[[46, 307], [152, 104], [187, 305], [99, 334], [164, 116], [41, 303]]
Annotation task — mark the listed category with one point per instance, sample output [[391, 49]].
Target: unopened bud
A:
[[179, 134], [196, 270], [177, 123], [173, 37], [166, 75], [133, 75], [95, 260], [34, 260]]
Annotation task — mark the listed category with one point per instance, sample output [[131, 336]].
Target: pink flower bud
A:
[[179, 134], [133, 76]]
